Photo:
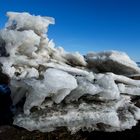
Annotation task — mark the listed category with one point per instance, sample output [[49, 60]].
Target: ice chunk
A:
[[112, 61], [75, 59], [127, 89], [108, 116], [62, 86], [56, 84], [110, 88], [25, 21], [68, 69], [84, 87]]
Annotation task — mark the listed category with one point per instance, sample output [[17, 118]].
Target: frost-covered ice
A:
[[62, 88], [54, 84], [112, 61], [105, 116], [25, 21]]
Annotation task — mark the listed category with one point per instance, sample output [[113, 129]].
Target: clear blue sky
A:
[[87, 25]]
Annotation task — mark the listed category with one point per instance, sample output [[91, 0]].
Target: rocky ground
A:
[[16, 133]]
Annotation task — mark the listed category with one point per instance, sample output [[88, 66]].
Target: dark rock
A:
[[17, 133]]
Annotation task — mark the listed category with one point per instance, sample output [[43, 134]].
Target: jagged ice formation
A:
[[62, 88]]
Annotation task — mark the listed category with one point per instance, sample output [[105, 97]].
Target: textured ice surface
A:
[[105, 116], [25, 21], [54, 84], [112, 61], [63, 88]]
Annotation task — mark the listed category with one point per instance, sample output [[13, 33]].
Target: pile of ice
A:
[[65, 89]]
